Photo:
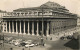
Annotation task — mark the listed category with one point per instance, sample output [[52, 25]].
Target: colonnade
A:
[[26, 27]]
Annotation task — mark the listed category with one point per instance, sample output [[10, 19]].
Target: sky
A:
[[10, 5]]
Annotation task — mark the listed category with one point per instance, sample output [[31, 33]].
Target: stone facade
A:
[[28, 21]]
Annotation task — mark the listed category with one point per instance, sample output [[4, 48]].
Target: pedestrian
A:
[[11, 48]]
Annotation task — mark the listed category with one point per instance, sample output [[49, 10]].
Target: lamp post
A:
[[42, 29]]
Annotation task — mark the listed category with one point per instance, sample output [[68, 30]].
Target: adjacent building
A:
[[55, 18], [78, 21]]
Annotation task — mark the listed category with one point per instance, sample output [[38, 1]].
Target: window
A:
[[30, 12], [14, 13], [26, 14], [22, 13], [35, 13]]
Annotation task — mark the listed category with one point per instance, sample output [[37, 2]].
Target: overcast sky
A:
[[9, 5]]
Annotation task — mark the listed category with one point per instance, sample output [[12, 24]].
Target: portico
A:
[[27, 27]]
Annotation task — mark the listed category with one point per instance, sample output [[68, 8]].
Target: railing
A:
[[36, 16]]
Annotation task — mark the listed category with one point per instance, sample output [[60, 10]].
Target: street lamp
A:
[[42, 29]]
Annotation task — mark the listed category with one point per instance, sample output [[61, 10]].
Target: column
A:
[[47, 29], [20, 27], [6, 26], [16, 28], [42, 29], [37, 28], [32, 28], [28, 28], [24, 27], [3, 26], [9, 27], [12, 26]]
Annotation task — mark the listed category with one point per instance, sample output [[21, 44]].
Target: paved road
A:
[[8, 46], [55, 45]]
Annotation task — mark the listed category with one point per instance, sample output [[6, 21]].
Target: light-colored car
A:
[[29, 45], [18, 40], [16, 43], [28, 42], [12, 42]]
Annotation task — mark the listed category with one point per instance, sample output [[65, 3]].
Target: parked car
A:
[[16, 43], [69, 37], [22, 44], [12, 41], [29, 45], [36, 43], [64, 38], [28, 41], [19, 40]]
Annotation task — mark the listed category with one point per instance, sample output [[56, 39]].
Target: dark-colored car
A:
[[63, 38], [69, 37], [22, 44]]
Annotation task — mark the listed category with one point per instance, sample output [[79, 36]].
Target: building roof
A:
[[47, 5]]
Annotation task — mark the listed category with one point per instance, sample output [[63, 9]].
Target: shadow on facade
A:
[[73, 44]]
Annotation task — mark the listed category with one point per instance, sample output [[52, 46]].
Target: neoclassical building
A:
[[55, 18]]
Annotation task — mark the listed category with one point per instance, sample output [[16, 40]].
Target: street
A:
[[51, 45]]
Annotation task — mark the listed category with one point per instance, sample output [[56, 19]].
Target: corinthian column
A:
[[47, 29], [32, 28], [37, 28], [28, 29], [12, 26], [6, 26], [9, 27], [16, 28], [20, 27], [24, 27]]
